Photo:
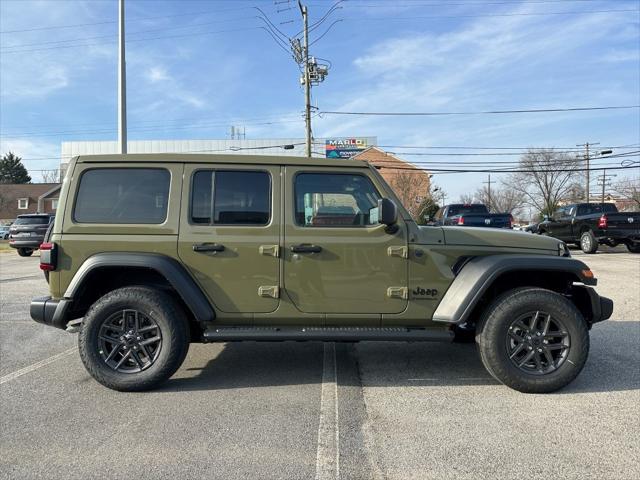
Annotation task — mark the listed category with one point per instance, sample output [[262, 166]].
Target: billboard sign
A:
[[344, 147]]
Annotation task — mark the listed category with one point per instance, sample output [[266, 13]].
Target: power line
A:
[[162, 37], [113, 22], [489, 112], [155, 30]]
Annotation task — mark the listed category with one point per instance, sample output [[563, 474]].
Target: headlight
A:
[[563, 250]]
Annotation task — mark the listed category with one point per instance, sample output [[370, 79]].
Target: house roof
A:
[[27, 190]]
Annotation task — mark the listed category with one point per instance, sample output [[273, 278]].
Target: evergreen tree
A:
[[12, 170]]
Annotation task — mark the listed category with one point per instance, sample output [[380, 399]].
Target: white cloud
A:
[[157, 74]]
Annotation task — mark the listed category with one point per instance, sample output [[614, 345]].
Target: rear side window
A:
[[43, 220], [122, 195], [230, 197]]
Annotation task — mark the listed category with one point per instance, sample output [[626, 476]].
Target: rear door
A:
[[337, 258], [229, 234]]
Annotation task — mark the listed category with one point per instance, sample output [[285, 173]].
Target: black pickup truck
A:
[[471, 215], [591, 224]]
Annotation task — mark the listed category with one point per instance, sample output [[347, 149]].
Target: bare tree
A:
[[629, 189], [546, 177], [51, 176], [411, 189], [467, 198], [502, 200]]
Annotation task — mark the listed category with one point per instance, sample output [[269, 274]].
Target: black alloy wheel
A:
[[538, 343], [129, 341]]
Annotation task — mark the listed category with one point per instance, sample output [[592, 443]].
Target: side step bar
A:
[[326, 334]]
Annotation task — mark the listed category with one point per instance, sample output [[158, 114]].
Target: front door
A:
[[337, 258], [230, 235]]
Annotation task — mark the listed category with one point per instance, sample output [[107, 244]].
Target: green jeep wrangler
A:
[[152, 252]]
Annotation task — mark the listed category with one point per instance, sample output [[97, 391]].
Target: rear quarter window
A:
[[122, 196]]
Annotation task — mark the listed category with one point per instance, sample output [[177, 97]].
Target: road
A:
[[308, 410]]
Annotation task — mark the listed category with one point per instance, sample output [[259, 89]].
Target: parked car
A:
[[153, 252], [4, 232], [591, 224], [471, 215], [27, 232]]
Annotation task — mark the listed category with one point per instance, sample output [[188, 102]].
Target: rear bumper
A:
[[49, 311], [26, 243]]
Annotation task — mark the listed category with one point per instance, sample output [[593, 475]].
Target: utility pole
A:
[[122, 83], [602, 180], [587, 158], [307, 80], [488, 182]]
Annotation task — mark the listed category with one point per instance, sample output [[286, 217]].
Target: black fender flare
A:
[[479, 273], [168, 267]]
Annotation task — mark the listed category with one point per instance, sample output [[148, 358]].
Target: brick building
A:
[[18, 199], [410, 183]]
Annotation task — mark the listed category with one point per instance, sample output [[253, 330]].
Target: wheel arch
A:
[[105, 272], [483, 279]]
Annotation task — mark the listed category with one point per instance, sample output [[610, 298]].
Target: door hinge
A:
[[398, 292], [401, 252], [269, 291], [273, 250]]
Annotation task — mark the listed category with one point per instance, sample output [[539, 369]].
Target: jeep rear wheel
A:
[[588, 242], [533, 340], [133, 339], [25, 252]]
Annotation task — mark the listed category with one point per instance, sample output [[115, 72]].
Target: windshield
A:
[[463, 209], [39, 220]]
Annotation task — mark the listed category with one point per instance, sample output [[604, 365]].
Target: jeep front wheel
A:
[[533, 340], [133, 339]]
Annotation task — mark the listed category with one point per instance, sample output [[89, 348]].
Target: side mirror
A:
[[387, 212]]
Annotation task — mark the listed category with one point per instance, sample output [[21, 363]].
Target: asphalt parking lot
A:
[[305, 410]]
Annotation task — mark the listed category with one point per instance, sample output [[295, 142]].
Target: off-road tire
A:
[[25, 252], [168, 316], [588, 242], [633, 247], [493, 331]]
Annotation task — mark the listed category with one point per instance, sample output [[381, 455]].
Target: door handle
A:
[[208, 247], [306, 248]]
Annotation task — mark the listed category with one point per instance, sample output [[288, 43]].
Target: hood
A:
[[496, 237]]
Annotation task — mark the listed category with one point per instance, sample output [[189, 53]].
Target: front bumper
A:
[[50, 311], [601, 307]]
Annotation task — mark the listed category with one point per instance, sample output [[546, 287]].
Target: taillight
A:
[[460, 220], [48, 256], [602, 223]]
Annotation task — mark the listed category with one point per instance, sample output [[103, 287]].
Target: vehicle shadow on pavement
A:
[[612, 364]]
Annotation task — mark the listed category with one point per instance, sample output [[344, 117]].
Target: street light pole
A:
[[122, 83]]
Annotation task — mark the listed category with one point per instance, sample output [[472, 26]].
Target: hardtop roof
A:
[[220, 159]]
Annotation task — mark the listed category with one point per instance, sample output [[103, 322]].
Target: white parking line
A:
[[42, 363], [328, 455]]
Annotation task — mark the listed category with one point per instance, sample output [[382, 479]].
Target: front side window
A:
[[123, 195], [335, 200], [230, 197]]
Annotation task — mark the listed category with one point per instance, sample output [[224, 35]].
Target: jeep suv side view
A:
[[151, 252], [28, 231]]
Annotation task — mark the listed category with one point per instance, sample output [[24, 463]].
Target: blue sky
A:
[[195, 67]]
